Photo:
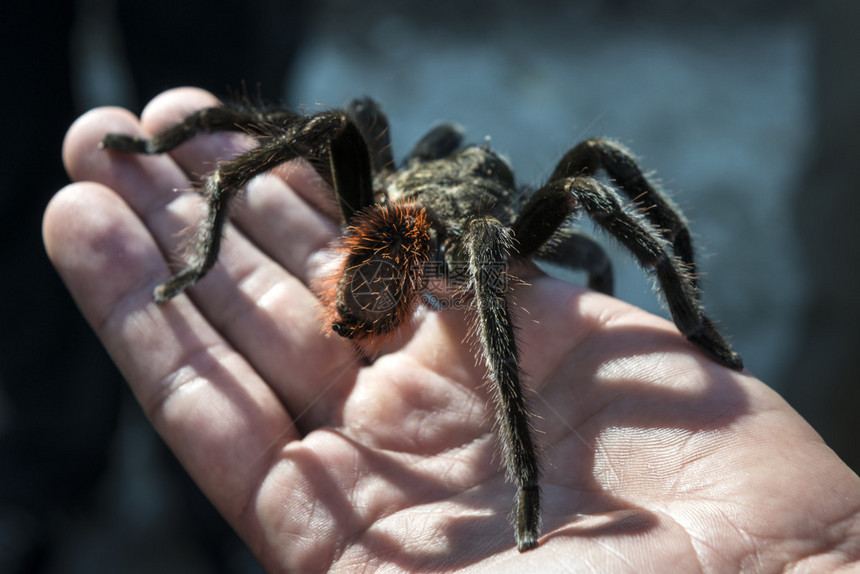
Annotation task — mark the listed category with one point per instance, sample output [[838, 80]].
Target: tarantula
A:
[[452, 209]]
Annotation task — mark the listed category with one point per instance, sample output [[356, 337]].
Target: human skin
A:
[[655, 458]]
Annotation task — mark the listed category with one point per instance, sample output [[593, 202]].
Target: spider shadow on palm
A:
[[583, 505]]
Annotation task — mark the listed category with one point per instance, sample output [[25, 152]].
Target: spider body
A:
[[454, 212], [472, 180], [435, 198]]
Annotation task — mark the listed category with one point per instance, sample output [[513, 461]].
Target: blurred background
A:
[[747, 111]]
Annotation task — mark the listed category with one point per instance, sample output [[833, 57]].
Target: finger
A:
[[280, 213], [196, 156], [222, 421], [264, 312], [287, 228], [147, 183], [201, 154]]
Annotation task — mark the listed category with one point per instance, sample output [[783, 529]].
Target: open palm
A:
[[656, 459]]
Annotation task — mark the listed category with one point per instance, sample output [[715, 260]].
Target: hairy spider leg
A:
[[488, 245], [371, 121], [589, 156], [575, 250], [544, 236], [603, 205], [226, 118], [438, 143], [308, 137], [350, 166]]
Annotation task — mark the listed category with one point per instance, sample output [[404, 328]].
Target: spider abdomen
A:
[[383, 272]]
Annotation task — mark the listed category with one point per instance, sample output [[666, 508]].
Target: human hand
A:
[[655, 457]]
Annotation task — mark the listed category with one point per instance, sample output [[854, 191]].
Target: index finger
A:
[[263, 311]]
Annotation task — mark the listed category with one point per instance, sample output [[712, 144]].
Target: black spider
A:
[[453, 212]]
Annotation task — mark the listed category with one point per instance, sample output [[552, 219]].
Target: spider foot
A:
[[175, 285], [528, 517], [123, 143], [711, 343], [527, 542]]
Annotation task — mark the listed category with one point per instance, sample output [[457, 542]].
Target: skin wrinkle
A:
[[333, 406], [573, 431], [242, 504], [461, 384], [689, 460], [187, 371], [606, 318], [253, 283], [289, 456], [617, 554], [747, 537], [456, 463], [120, 308], [423, 360], [259, 517], [120, 314], [464, 446], [361, 472], [687, 439], [690, 538], [248, 510], [421, 446], [382, 515], [548, 448], [369, 519], [601, 452], [753, 559], [833, 542], [120, 320]]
